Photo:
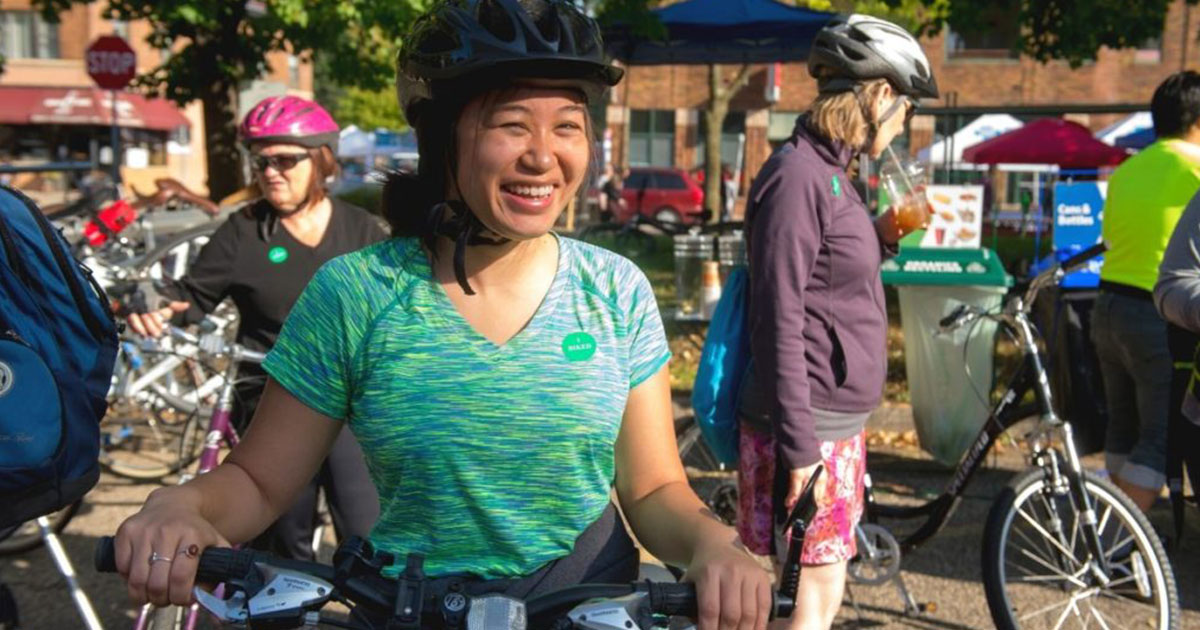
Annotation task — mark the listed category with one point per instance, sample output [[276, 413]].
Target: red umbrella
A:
[[1047, 141]]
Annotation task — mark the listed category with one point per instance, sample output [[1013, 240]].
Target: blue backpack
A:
[[58, 345], [724, 362]]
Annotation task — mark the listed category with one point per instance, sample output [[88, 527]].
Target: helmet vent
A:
[[439, 39], [922, 71], [495, 19]]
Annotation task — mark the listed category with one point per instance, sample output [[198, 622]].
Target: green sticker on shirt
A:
[[277, 255], [579, 346], [837, 187]]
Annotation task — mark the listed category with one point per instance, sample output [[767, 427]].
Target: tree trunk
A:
[[714, 118], [221, 141]]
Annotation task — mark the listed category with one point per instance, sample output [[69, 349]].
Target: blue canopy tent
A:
[[721, 31]]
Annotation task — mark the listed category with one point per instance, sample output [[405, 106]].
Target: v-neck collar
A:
[[271, 226], [456, 324]]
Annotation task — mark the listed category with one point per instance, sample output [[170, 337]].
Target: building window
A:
[[1149, 51], [993, 38], [733, 131], [25, 35], [652, 137], [780, 127]]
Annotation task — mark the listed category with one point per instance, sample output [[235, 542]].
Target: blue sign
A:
[[1078, 214]]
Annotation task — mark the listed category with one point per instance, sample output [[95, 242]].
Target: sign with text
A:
[[1078, 215], [957, 217], [111, 62]]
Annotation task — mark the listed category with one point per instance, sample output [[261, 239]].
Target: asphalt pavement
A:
[[944, 573]]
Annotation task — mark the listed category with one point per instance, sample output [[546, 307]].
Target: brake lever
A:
[[278, 595]]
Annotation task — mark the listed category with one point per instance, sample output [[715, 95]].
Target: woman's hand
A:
[[796, 481], [158, 549], [153, 323], [732, 588]]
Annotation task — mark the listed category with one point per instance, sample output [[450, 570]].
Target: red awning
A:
[[85, 106], [1046, 141]]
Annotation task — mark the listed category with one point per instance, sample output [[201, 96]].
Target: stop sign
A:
[[111, 62]]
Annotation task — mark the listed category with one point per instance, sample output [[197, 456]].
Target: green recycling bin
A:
[[949, 374]]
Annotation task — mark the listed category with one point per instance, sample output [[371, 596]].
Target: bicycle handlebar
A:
[[354, 576], [1078, 260]]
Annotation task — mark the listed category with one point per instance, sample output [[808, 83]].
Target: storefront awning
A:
[[85, 106]]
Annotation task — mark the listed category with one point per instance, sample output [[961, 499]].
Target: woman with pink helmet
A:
[[262, 258]]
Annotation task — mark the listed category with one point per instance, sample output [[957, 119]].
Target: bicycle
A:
[[1056, 529], [270, 591], [221, 432], [634, 238]]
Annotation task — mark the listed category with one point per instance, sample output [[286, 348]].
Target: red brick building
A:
[[655, 114]]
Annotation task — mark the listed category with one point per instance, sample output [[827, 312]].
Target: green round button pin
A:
[[579, 346], [277, 255]]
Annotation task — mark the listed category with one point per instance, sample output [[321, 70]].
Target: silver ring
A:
[[156, 557]]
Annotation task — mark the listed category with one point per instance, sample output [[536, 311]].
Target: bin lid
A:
[[928, 266]]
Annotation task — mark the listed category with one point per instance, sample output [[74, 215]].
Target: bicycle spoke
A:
[[1098, 617], [1072, 605], [1109, 554], [1046, 558], [1054, 570], [1037, 526], [1042, 611]]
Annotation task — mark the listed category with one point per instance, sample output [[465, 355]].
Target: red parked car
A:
[[663, 193]]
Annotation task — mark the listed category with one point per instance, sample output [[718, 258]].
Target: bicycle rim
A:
[[1036, 578], [150, 446]]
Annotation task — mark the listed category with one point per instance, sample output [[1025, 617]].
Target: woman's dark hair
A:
[[1175, 107]]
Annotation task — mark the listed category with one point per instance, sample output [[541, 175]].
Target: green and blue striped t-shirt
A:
[[489, 459]]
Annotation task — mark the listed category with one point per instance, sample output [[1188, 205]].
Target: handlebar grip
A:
[[1078, 260], [680, 599], [105, 558], [217, 564], [674, 599]]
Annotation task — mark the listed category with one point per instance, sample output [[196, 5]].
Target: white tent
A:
[[976, 131], [357, 143], [1125, 126]]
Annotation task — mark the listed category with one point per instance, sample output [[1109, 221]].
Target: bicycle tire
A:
[[1138, 556], [716, 486], [26, 536], [169, 458]]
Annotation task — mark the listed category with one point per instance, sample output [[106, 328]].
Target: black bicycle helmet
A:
[[460, 43], [856, 48]]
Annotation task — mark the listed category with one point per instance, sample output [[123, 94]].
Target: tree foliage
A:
[[217, 46]]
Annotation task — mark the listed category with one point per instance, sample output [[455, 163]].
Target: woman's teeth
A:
[[532, 192]]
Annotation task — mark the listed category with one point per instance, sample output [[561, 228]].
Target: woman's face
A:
[[893, 126], [522, 156], [283, 173]]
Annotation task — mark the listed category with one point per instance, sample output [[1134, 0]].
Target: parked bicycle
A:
[[1062, 547], [220, 434], [268, 591]]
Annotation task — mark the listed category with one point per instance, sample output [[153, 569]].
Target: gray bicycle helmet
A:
[[856, 48], [460, 44]]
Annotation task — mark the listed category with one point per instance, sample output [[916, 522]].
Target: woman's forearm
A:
[[672, 522]]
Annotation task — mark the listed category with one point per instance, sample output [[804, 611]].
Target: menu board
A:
[[956, 219]]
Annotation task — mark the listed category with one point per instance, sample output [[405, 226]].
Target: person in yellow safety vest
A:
[[1146, 196]]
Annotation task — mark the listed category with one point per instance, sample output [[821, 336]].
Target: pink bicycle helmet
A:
[[289, 119]]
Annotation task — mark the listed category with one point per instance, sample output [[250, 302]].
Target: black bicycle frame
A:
[[1004, 415]]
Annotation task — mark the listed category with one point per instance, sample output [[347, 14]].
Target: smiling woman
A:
[[503, 381]]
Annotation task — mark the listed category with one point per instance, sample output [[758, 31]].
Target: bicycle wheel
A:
[[713, 483], [147, 445], [1037, 578], [27, 535]]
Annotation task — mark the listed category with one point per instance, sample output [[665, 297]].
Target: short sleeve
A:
[[311, 357], [648, 350]]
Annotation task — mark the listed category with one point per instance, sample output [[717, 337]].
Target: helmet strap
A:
[[454, 220], [872, 123]]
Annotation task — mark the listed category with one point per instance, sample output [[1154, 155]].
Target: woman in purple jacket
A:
[[817, 315]]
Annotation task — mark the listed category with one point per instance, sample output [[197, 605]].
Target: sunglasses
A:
[[280, 162], [910, 110]]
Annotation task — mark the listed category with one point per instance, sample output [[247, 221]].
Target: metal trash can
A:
[[949, 375], [692, 250], [731, 252]]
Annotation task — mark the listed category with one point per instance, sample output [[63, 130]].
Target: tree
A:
[[219, 45]]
